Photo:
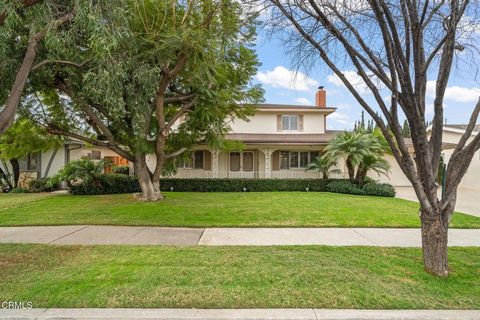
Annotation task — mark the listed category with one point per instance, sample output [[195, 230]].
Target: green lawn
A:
[[275, 209], [235, 277]]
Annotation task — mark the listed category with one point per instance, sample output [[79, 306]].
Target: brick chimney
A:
[[321, 98]]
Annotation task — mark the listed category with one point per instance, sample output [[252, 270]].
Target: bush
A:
[[19, 190], [106, 184], [238, 185], [43, 185], [120, 183], [379, 189], [344, 186], [121, 170]]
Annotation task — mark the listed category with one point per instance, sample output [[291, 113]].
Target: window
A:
[[94, 155], [248, 161], [234, 161], [297, 159], [304, 159], [198, 159], [30, 162], [284, 160], [289, 122], [195, 161]]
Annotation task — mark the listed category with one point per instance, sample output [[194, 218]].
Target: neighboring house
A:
[[451, 136], [46, 164]]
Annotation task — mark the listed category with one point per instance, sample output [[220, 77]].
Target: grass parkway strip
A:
[[235, 277], [263, 209]]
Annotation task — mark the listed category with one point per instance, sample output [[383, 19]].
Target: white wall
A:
[[266, 122]]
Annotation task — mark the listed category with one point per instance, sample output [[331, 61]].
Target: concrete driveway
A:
[[468, 199]]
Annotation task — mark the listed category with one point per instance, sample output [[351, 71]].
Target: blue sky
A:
[[283, 85]]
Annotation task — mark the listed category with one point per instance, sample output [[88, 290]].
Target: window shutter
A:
[[207, 160], [300, 123], [279, 122], [276, 161]]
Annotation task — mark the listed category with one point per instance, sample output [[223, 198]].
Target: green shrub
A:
[[120, 183], [106, 184], [121, 170], [379, 189], [43, 185], [19, 190], [344, 186], [79, 171], [239, 185]]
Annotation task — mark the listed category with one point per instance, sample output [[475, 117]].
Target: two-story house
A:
[[279, 140]]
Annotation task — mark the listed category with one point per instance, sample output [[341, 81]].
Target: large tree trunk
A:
[[361, 174], [150, 188], [434, 244], [15, 171]]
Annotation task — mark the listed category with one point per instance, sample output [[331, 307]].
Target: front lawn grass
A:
[[235, 277], [263, 209]]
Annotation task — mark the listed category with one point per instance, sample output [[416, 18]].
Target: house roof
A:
[[284, 138], [268, 107]]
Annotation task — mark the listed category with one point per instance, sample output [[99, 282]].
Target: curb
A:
[[237, 314]]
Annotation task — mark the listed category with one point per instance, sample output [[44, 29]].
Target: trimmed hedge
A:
[[238, 185], [107, 184], [119, 183]]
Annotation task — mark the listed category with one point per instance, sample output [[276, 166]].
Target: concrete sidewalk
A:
[[123, 235], [239, 314]]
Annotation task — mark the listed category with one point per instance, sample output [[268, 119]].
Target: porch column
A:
[[215, 154], [268, 162]]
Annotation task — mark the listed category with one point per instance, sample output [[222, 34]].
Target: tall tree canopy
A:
[[26, 29], [395, 47], [161, 76]]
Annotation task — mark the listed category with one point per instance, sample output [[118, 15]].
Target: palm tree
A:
[[351, 146], [362, 151], [324, 165]]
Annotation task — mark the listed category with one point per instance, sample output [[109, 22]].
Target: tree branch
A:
[[62, 62]]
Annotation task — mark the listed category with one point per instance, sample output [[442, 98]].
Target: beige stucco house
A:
[[279, 140]]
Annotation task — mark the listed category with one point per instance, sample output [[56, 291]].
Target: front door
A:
[[241, 164]]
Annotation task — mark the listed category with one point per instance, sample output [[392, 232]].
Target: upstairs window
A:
[[289, 122]]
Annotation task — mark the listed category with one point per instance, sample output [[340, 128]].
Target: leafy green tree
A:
[[325, 165], [162, 76], [406, 130], [21, 139], [27, 29]]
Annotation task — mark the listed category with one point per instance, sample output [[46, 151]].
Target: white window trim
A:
[[298, 153], [290, 116]]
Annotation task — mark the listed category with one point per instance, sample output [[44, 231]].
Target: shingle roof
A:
[[283, 138], [290, 106]]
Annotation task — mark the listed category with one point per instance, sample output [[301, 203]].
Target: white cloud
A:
[[303, 101], [281, 77], [455, 93], [356, 81], [341, 118]]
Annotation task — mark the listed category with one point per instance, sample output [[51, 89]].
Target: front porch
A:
[[251, 163]]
